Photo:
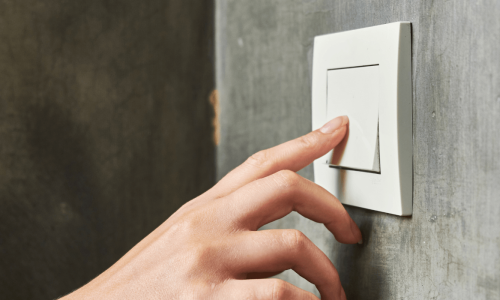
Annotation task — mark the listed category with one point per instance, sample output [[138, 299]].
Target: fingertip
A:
[[341, 132], [345, 120], [334, 125], [338, 139], [358, 237]]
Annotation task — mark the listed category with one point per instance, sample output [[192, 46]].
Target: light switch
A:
[[366, 75], [354, 92]]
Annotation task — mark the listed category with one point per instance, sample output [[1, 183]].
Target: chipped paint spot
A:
[[433, 218]]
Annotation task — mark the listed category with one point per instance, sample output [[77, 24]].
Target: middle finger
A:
[[268, 199]]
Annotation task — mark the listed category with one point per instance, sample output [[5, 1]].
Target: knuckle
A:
[[279, 289], [198, 253], [309, 141], [259, 159], [182, 227], [188, 225], [287, 178], [294, 239], [199, 256]]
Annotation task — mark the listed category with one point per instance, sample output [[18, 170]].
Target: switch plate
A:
[[385, 52]]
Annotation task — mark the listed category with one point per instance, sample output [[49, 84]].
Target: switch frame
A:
[[388, 46]]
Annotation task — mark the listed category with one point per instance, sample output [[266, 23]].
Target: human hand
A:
[[211, 249]]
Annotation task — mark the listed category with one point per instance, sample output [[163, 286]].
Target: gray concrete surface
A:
[[449, 248], [105, 130]]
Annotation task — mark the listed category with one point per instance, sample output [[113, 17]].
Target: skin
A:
[[211, 249]]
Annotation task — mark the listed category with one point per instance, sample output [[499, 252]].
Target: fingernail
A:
[[334, 124], [360, 242]]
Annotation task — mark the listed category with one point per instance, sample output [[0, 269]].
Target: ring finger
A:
[[279, 250]]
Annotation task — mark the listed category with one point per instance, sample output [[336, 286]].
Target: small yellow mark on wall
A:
[[214, 100]]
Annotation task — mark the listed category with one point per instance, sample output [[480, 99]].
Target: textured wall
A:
[[449, 249], [105, 130]]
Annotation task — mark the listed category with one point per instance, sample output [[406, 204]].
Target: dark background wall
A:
[[449, 249], [105, 130]]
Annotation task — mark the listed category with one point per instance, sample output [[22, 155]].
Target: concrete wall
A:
[[105, 130], [449, 249]]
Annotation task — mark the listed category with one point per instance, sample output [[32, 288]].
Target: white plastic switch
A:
[[355, 92], [366, 75]]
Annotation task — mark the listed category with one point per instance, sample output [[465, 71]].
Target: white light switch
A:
[[366, 75], [354, 92]]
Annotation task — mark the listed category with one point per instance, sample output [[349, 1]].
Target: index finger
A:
[[292, 155]]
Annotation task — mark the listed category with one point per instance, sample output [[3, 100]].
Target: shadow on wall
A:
[[360, 274]]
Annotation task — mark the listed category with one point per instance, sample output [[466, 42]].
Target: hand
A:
[[210, 249]]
